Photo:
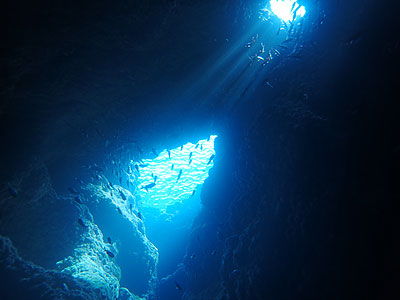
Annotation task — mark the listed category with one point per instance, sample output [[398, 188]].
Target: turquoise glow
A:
[[168, 189], [91, 263], [285, 9]]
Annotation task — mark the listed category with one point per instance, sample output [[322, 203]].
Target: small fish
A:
[[155, 178], [193, 256], [143, 165], [169, 154], [97, 176], [197, 145], [148, 186], [82, 223], [208, 139], [194, 191], [109, 240], [201, 147], [262, 50], [214, 252], [211, 158], [109, 253], [111, 185], [130, 207], [65, 287], [277, 53], [190, 161], [190, 155], [177, 286], [137, 168], [78, 199], [123, 196], [179, 175], [181, 147], [12, 191], [252, 57], [172, 167], [139, 215], [269, 84], [119, 210], [260, 58]]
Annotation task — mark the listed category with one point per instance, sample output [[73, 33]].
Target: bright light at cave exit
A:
[[168, 189], [285, 9]]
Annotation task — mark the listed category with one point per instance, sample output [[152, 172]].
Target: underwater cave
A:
[[194, 150]]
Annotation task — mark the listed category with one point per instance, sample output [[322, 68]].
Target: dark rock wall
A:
[[298, 205], [42, 225]]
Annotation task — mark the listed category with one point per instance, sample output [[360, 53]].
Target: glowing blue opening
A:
[[174, 175], [287, 10]]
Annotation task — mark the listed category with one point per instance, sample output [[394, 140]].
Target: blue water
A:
[[170, 207], [99, 179], [191, 160], [130, 230]]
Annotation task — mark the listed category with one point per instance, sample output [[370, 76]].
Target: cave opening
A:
[[101, 197], [167, 190], [136, 216], [287, 10]]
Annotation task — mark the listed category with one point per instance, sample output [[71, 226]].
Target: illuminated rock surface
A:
[[91, 262], [139, 257], [24, 280], [298, 202]]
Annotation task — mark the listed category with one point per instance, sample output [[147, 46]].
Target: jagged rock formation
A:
[[299, 204], [23, 280], [42, 225], [45, 227], [137, 255]]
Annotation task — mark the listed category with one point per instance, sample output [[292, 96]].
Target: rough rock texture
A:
[[45, 227], [137, 255], [42, 225], [299, 203], [23, 280], [91, 262], [299, 206]]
